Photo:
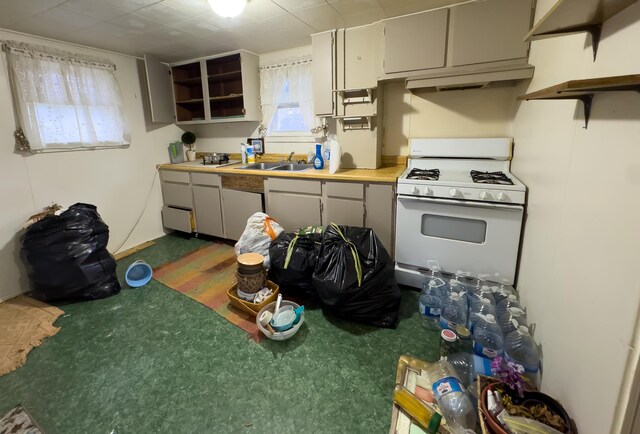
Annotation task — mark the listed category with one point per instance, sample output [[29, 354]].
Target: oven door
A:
[[476, 237]]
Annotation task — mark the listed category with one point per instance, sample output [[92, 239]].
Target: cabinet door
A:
[[160, 90], [489, 31], [415, 42], [380, 200], [359, 58], [324, 71], [237, 207], [293, 211], [178, 195], [206, 201], [348, 212]]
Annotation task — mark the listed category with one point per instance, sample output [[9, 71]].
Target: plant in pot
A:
[[188, 139]]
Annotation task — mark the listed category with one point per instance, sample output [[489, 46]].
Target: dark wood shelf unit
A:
[[188, 92], [221, 98], [226, 76], [583, 90], [225, 87], [574, 16]]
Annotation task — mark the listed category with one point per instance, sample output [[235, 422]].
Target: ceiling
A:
[[175, 30]]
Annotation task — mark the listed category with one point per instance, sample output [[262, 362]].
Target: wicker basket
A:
[[251, 283], [247, 306]]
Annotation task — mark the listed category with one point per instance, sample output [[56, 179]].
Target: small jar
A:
[[465, 343], [448, 343]]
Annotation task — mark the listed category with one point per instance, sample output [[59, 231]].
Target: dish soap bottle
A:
[[318, 162]]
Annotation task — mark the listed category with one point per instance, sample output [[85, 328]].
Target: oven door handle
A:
[[484, 205]]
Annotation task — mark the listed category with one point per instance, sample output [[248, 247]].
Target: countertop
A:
[[387, 173]]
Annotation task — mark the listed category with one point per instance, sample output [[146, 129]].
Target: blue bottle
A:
[[318, 162]]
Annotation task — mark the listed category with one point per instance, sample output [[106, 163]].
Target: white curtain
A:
[[64, 100], [296, 76]]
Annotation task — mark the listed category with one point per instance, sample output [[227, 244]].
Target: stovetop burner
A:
[[215, 159], [490, 178], [424, 174]]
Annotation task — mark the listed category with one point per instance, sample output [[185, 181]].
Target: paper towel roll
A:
[[336, 155]]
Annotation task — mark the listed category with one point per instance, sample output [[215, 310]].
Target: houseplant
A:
[[188, 139]]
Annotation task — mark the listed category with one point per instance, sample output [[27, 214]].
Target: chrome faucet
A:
[[290, 157]]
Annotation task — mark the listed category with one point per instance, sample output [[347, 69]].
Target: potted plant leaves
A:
[[189, 139]]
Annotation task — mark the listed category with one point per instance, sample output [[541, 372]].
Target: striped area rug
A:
[[205, 275]]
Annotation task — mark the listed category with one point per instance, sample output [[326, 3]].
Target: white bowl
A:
[[279, 336]]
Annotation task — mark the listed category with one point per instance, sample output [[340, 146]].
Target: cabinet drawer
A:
[[174, 176], [345, 189], [178, 219], [206, 179], [295, 185], [177, 195]]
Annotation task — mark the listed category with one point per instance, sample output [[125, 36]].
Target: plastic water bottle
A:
[[430, 304], [435, 275], [502, 308], [481, 307], [487, 337], [503, 290], [514, 318], [521, 348], [475, 298], [454, 402], [468, 366], [454, 311]]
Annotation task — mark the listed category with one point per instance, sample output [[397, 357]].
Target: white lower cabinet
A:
[[294, 203], [206, 201], [177, 210], [237, 207]]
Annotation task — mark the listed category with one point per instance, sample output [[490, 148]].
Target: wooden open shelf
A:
[[223, 97], [573, 16], [584, 90], [226, 76]]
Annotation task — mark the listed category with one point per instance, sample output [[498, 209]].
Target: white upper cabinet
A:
[[415, 42], [324, 72], [360, 71], [489, 31], [222, 88], [159, 86]]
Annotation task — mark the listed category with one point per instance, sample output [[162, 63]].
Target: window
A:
[[286, 101], [64, 101]]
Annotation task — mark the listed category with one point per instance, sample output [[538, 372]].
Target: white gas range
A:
[[459, 204]]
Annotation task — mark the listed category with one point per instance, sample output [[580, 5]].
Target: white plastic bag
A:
[[257, 236]]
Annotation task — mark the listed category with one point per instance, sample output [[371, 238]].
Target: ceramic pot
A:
[[191, 155]]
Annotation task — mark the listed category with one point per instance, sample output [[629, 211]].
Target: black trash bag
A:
[[66, 256], [354, 277], [294, 276]]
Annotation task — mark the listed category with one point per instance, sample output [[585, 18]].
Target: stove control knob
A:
[[428, 191], [415, 190], [454, 192], [502, 196], [485, 195]]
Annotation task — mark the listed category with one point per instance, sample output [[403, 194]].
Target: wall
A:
[[580, 249], [117, 181], [469, 113], [227, 137]]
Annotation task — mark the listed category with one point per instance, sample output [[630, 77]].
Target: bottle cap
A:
[[490, 318], [462, 332], [512, 297], [523, 330], [485, 301], [448, 335], [515, 311], [454, 282], [485, 288], [433, 284], [434, 423], [455, 296]]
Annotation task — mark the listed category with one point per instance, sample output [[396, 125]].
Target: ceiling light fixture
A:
[[228, 8]]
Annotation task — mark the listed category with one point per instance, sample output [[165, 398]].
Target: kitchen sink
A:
[[289, 167], [260, 166], [293, 167]]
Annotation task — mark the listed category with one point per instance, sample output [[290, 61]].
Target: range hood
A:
[[468, 77]]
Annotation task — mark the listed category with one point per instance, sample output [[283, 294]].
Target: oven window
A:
[[454, 228]]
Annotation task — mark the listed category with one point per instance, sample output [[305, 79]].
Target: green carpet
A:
[[150, 360]]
